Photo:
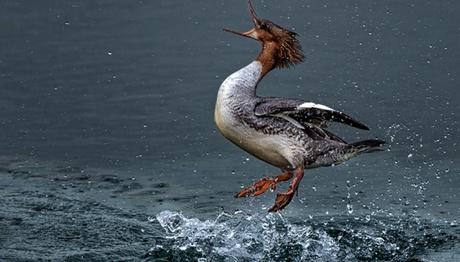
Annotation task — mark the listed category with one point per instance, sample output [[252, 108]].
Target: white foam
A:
[[240, 235]]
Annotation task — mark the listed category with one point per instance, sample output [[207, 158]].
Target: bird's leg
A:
[[264, 184], [283, 199]]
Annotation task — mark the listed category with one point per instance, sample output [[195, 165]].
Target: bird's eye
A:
[[263, 26]]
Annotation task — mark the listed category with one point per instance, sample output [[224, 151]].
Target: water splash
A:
[[243, 237]]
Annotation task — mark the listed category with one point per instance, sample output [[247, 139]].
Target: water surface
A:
[[108, 150]]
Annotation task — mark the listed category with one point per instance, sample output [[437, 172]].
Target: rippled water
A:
[[108, 150]]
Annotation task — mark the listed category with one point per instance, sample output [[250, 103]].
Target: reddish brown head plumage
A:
[[281, 48], [289, 51]]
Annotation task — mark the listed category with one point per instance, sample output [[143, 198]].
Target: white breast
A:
[[239, 88]]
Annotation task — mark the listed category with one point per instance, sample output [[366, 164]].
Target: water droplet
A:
[[350, 208]]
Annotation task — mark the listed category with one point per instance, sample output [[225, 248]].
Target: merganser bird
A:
[[287, 133]]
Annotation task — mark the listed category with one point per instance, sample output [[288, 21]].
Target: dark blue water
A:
[[108, 150]]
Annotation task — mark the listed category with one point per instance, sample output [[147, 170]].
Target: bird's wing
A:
[[304, 114]]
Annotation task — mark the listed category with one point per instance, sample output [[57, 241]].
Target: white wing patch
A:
[[313, 105]]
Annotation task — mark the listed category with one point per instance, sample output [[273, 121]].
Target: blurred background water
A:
[[108, 150]]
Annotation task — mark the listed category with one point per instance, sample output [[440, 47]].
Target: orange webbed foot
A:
[[282, 200], [257, 188], [263, 185]]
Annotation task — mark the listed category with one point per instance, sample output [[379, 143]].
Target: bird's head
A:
[[288, 49]]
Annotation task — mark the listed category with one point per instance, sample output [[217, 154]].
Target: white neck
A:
[[243, 82]]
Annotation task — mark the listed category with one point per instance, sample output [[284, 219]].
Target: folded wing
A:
[[309, 116]]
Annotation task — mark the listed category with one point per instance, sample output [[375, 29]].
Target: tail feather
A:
[[367, 146]]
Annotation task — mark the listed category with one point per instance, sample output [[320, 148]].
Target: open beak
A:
[[251, 33]]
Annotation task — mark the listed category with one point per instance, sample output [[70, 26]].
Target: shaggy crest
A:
[[289, 49]]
